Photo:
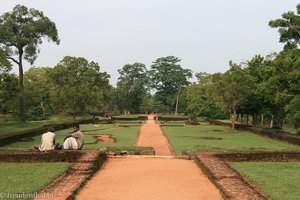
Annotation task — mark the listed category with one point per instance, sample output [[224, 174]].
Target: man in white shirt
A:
[[48, 141]]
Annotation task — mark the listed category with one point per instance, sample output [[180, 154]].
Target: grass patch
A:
[[28, 178], [191, 137], [280, 180]]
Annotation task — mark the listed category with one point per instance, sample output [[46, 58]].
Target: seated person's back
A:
[[48, 140]]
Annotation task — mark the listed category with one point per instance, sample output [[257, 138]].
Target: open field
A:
[[213, 138], [280, 180], [28, 178]]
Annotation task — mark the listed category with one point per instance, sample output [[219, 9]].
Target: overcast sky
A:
[[204, 34]]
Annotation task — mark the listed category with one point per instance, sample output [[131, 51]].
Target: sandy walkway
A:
[[138, 178], [150, 178], [152, 136]]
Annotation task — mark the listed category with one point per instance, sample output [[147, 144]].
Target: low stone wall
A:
[[13, 137], [67, 185], [273, 156], [232, 184], [282, 136], [37, 156], [172, 118], [130, 119]]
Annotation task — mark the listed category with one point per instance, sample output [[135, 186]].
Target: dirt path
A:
[[138, 178], [145, 178], [152, 136]]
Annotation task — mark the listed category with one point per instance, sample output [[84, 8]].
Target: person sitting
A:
[[48, 141], [74, 140]]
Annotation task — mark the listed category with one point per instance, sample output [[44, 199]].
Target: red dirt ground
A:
[[138, 178], [146, 178], [152, 136]]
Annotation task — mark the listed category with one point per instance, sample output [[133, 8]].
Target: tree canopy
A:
[[168, 79]]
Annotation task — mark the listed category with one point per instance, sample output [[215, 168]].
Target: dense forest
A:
[[263, 91]]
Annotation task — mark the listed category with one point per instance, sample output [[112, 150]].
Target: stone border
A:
[[84, 164], [276, 135], [231, 183]]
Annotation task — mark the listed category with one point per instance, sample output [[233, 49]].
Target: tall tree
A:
[[232, 89], [132, 86], [21, 32], [169, 79]]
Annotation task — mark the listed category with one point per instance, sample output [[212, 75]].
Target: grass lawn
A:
[[125, 137], [280, 180], [209, 137], [28, 178], [28, 143]]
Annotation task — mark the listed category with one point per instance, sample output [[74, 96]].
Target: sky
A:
[[205, 35]]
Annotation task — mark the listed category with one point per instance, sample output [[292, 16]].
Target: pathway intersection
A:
[[162, 177]]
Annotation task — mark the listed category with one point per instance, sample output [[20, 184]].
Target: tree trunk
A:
[[21, 85], [254, 119], [43, 109], [233, 118], [262, 120], [247, 119], [74, 109], [272, 121], [177, 101], [242, 117]]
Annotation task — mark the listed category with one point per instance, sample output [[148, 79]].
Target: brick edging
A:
[[231, 184], [67, 185]]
